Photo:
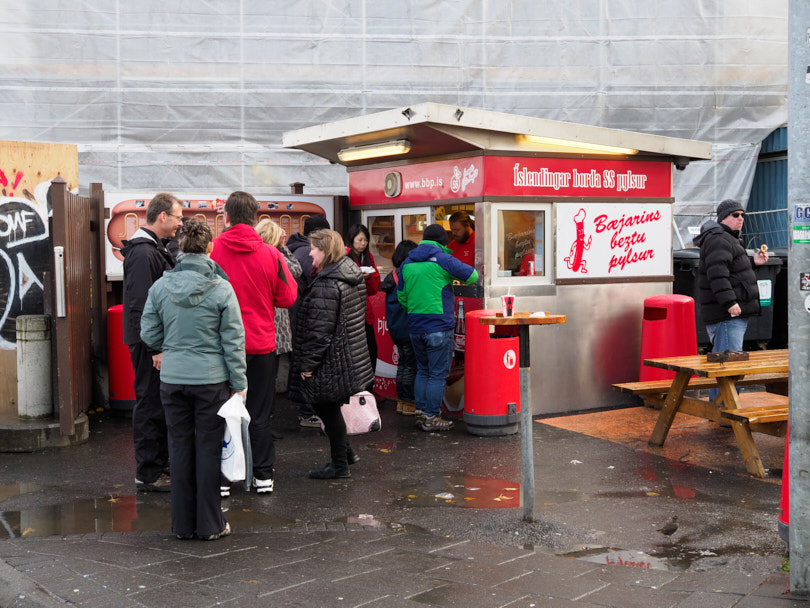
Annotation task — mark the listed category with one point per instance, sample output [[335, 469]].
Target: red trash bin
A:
[[122, 376], [667, 330], [491, 377]]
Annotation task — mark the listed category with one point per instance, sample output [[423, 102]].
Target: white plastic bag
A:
[[234, 463]]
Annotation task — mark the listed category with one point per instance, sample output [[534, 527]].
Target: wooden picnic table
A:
[[770, 419]]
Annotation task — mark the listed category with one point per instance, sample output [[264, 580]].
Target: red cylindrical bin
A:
[[667, 330], [122, 376], [783, 521], [491, 377]]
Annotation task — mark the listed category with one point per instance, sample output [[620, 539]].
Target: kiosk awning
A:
[[432, 129]]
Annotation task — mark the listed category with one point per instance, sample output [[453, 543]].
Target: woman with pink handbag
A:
[[330, 352]]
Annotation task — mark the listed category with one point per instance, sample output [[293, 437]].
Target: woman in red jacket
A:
[[358, 252]]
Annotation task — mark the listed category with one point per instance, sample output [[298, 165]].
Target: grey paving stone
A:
[[128, 580], [546, 585], [633, 576], [489, 553], [450, 595], [257, 581], [182, 595], [719, 581], [777, 585], [753, 601], [410, 562], [477, 573], [626, 596], [66, 584], [705, 599], [201, 568]]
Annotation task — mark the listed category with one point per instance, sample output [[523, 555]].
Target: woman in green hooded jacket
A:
[[193, 317]]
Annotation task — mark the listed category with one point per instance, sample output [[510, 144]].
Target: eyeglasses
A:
[[738, 214], [177, 217]]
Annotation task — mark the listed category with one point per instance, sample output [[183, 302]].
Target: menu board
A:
[[607, 240]]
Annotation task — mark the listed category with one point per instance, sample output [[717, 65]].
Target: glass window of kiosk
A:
[[388, 227], [521, 243]]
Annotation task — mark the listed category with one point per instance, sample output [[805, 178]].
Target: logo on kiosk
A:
[[461, 180], [509, 359]]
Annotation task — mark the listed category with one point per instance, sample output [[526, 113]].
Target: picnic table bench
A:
[[693, 372]]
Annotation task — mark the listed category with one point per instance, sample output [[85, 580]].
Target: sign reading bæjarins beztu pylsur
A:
[[606, 240], [511, 176]]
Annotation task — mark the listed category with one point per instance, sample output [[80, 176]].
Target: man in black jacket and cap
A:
[[727, 283]]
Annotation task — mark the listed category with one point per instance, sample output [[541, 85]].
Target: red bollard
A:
[[784, 501]]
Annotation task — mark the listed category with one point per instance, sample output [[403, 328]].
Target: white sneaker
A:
[[263, 486], [224, 491]]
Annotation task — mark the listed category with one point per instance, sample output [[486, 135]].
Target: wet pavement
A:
[[426, 519]]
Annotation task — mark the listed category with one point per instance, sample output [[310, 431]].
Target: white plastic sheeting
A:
[[194, 95]]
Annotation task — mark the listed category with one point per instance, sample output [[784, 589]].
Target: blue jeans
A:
[[434, 353], [726, 335]]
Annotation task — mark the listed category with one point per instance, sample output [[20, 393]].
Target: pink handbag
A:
[[361, 414]]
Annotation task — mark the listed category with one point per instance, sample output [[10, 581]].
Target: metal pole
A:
[[526, 443], [799, 299]]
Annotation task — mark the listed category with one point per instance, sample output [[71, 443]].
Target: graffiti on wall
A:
[[24, 256]]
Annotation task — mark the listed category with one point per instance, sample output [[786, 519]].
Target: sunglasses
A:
[[738, 214]]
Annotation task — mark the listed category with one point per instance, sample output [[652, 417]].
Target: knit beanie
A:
[[436, 233], [727, 207], [315, 222]]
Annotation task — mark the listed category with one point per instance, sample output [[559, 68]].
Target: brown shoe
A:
[[400, 405], [408, 408]]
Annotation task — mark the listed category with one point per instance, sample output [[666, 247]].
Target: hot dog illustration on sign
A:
[[574, 260]]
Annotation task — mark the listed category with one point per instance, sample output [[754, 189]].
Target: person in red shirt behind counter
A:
[[463, 243]]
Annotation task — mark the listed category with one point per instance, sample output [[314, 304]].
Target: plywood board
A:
[[26, 170]]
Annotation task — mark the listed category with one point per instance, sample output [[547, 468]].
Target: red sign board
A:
[[512, 176]]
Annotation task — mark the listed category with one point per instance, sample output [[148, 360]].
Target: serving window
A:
[[521, 243]]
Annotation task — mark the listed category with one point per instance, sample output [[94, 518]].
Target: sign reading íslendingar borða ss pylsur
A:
[[514, 176]]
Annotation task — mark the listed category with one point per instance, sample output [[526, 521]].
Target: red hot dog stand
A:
[[569, 218]]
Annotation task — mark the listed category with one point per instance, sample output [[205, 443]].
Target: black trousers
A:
[[148, 417], [195, 446], [335, 428], [260, 403]]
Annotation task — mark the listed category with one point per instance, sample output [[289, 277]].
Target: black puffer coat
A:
[[330, 335], [726, 274]]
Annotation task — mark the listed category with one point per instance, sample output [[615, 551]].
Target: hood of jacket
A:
[[343, 270], [389, 284], [713, 227], [139, 237], [297, 240], [426, 250], [193, 279], [240, 238]]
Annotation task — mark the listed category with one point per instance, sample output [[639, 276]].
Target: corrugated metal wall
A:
[[767, 220]]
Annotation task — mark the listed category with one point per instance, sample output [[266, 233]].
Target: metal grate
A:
[[760, 227]]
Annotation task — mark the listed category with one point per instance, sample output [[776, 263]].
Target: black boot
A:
[[330, 472], [351, 456]]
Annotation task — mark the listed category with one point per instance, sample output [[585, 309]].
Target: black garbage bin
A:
[[779, 335], [685, 268]]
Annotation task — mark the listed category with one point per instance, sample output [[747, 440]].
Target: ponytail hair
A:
[[195, 235]]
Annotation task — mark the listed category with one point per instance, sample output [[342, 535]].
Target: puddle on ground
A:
[[18, 489], [672, 559], [459, 490], [111, 514]]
